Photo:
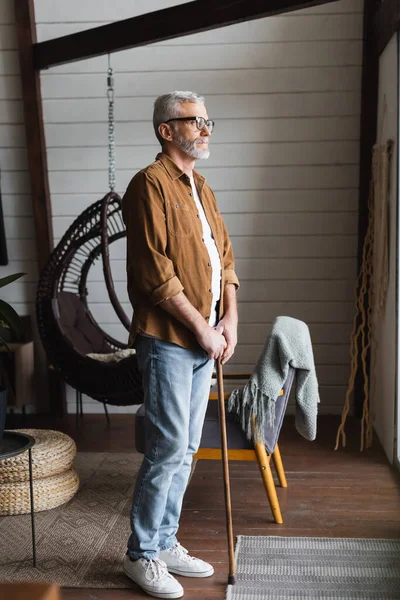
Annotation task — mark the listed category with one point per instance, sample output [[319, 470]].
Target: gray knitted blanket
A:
[[288, 344]]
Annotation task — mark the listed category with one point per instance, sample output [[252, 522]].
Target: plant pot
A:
[[3, 409]]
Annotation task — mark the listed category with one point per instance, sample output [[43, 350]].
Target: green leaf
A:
[[11, 317], [10, 278]]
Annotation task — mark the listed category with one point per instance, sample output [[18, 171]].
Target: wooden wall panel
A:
[[285, 93]]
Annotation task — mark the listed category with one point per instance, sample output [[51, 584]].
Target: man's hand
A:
[[218, 342], [228, 328], [212, 341]]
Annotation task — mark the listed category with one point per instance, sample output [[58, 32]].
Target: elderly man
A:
[[182, 286]]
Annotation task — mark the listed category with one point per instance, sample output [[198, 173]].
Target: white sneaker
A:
[[152, 576], [179, 561]]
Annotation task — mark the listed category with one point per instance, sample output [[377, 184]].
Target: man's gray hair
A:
[[168, 107]]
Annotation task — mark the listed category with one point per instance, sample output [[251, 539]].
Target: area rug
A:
[[83, 542], [289, 568]]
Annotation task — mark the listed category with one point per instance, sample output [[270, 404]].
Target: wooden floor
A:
[[331, 494]]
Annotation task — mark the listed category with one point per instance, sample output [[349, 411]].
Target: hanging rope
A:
[[372, 286], [111, 127]]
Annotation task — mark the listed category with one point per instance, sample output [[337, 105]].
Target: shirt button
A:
[[202, 239], [190, 194], [210, 291], [209, 264], [206, 318], [198, 216]]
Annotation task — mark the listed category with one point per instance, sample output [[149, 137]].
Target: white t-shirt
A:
[[213, 254]]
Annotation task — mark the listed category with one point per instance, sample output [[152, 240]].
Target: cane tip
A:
[[231, 579]]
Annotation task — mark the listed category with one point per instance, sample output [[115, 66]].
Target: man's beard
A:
[[190, 148]]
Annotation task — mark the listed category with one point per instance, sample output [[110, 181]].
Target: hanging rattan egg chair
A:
[[67, 328]]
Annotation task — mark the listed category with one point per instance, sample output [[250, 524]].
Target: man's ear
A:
[[165, 131]]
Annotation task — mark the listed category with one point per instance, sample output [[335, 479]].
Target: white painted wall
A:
[[384, 399], [285, 93]]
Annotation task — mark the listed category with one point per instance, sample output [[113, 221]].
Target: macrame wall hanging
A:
[[372, 285]]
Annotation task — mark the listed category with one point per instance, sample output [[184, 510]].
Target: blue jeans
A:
[[176, 384]]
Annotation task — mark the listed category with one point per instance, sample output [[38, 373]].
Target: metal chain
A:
[[111, 128]]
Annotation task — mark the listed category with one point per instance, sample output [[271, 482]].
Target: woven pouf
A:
[[48, 492], [52, 453], [54, 480]]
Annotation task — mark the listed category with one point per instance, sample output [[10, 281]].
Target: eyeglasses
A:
[[201, 122]]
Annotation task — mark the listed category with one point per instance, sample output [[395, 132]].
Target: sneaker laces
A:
[[156, 570], [181, 552]]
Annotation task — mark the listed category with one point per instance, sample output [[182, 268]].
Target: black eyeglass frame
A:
[[206, 122]]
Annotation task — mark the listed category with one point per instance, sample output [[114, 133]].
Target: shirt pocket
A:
[[179, 219]]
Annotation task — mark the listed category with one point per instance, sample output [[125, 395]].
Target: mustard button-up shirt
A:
[[165, 249]]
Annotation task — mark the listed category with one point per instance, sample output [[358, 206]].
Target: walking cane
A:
[[225, 466]]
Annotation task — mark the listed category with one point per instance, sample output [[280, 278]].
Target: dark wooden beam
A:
[[368, 132], [34, 128], [161, 25], [36, 148], [384, 24]]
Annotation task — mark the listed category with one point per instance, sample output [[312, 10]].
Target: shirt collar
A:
[[174, 171]]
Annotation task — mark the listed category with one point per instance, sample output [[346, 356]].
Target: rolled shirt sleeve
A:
[[166, 290], [231, 277]]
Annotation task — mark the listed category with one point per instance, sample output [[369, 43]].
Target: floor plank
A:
[[330, 494]]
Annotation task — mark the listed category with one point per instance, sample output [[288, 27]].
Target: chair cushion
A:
[[77, 326], [211, 432], [236, 438], [211, 436]]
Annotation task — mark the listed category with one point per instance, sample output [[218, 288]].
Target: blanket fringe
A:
[[251, 402]]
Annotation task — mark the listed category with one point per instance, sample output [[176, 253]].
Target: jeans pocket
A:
[[146, 347], [140, 346]]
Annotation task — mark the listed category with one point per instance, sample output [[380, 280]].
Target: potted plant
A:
[[10, 326]]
